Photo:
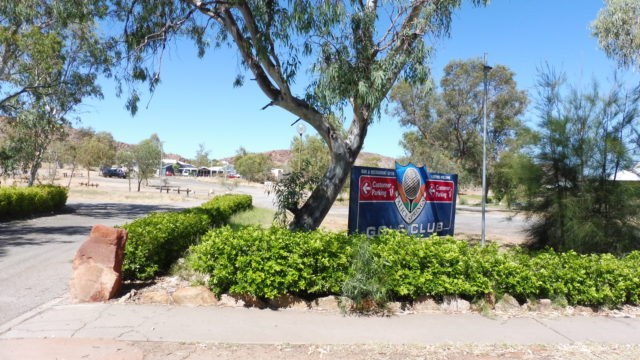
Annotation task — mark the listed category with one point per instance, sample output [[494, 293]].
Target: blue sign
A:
[[407, 198]]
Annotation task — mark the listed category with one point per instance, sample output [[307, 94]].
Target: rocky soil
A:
[[177, 291]]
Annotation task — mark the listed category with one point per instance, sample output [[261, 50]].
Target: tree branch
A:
[[223, 15]]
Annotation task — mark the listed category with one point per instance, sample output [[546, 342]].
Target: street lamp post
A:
[[485, 70], [300, 129]]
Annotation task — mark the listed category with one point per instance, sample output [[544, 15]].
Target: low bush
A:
[[273, 262], [269, 262], [445, 266], [159, 239], [21, 202], [220, 208], [156, 241]]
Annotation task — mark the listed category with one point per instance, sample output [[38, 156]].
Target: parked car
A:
[[111, 172]]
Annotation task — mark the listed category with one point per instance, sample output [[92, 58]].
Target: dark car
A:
[[111, 172]]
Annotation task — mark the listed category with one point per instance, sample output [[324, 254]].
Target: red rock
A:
[[195, 296], [97, 266]]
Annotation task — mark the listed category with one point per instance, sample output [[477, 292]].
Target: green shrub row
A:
[[20, 202], [157, 240], [445, 266], [268, 263], [271, 262]]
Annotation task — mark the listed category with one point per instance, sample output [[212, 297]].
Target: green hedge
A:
[[21, 202], [445, 266], [220, 208], [268, 263], [156, 241]]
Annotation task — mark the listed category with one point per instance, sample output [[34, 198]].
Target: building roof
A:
[[628, 175]]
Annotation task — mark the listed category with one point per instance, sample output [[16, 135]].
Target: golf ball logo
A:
[[410, 197], [411, 182]]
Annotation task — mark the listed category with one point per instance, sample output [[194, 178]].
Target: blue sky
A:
[[196, 102]]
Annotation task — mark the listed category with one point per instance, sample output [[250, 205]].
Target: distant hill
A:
[[280, 159], [75, 133]]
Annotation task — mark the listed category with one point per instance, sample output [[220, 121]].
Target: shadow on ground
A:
[[76, 220], [115, 210]]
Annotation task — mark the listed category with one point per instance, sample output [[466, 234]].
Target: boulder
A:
[[507, 304], [455, 304], [425, 304], [327, 303], [97, 266], [195, 296], [156, 297]]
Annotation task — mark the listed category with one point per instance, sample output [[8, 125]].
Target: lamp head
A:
[[301, 129]]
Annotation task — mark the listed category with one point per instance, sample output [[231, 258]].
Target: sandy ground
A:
[[365, 352], [61, 348], [118, 190]]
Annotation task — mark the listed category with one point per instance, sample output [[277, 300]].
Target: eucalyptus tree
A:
[[202, 156], [445, 125], [356, 50], [618, 31], [97, 151], [28, 135], [50, 56], [126, 159], [147, 155], [254, 167]]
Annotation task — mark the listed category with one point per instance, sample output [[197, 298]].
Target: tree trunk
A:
[[54, 172], [343, 156], [314, 210], [73, 170], [139, 183], [88, 175], [33, 172]]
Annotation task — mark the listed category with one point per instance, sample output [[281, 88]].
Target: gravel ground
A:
[[578, 351]]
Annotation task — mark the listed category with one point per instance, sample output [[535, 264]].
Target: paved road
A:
[[501, 225], [36, 254]]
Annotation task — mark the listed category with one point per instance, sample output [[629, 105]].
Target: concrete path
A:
[[252, 326]]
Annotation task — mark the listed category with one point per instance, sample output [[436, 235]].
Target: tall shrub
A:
[[585, 138]]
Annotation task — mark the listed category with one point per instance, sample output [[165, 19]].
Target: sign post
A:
[[408, 198]]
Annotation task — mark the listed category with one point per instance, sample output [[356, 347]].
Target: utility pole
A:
[[485, 70]]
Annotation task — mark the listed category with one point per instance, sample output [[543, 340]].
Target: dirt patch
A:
[[576, 351]]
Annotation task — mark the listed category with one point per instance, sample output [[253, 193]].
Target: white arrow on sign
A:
[[366, 188]]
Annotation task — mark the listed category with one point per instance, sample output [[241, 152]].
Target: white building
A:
[[628, 175]]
